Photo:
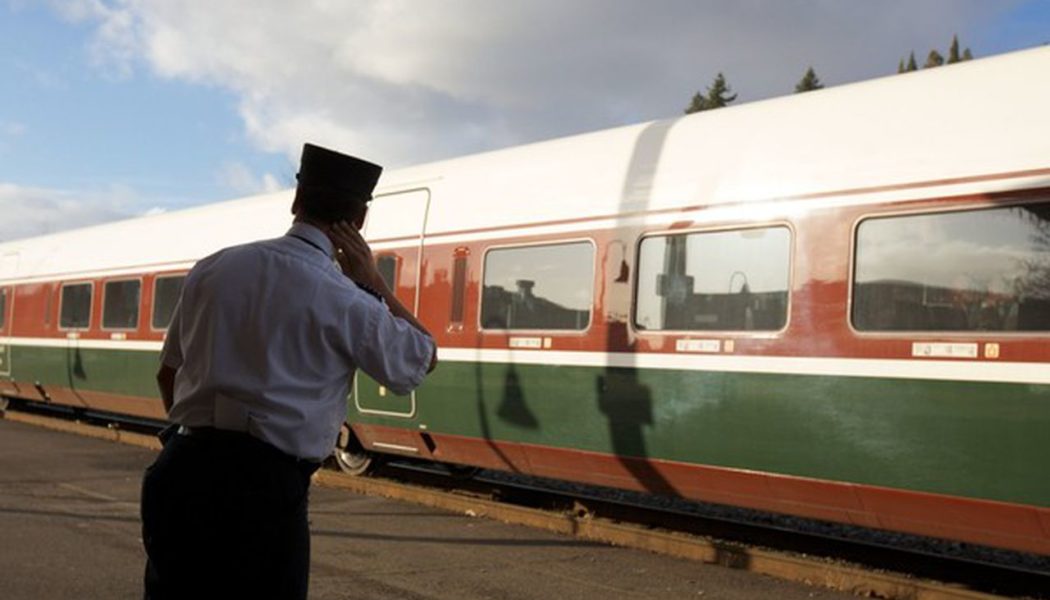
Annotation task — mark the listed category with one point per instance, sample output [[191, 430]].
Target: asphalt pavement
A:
[[69, 528]]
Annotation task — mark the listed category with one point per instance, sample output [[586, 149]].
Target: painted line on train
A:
[[958, 370], [983, 371], [81, 343]]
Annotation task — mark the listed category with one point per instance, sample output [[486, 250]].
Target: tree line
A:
[[719, 94]]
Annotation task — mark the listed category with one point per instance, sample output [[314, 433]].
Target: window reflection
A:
[[981, 270], [76, 306], [538, 287], [120, 308], [166, 292], [387, 267], [714, 281]]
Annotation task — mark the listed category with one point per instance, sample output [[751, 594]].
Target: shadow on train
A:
[[625, 401], [627, 404], [512, 409], [622, 398]]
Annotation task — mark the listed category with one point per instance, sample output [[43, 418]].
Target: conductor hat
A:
[[352, 178]]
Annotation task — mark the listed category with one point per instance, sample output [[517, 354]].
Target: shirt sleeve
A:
[[388, 348], [171, 353]]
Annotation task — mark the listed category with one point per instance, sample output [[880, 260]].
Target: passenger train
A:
[[834, 305]]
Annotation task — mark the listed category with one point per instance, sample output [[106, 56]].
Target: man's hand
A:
[[355, 257], [353, 254]]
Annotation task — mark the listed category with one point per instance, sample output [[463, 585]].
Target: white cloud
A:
[[241, 180], [116, 42], [30, 211], [401, 81]]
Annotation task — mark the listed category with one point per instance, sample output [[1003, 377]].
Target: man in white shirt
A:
[[255, 373]]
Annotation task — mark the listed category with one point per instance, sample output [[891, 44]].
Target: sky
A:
[[117, 108]]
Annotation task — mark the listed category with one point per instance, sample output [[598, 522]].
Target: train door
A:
[[395, 228], [6, 300], [74, 319]]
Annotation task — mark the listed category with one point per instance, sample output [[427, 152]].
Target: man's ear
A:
[[295, 205], [359, 222]]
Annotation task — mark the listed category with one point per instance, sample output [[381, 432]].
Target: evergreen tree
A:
[[935, 59], [911, 63], [809, 82], [718, 95], [953, 51], [697, 104]]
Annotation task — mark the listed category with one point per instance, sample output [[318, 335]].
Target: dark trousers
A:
[[224, 516]]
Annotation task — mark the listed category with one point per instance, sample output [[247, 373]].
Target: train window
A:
[[166, 292], [459, 284], [977, 270], [538, 287], [387, 267], [120, 304], [75, 311], [3, 307], [714, 281]]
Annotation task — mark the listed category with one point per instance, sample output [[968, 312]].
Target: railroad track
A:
[[865, 569]]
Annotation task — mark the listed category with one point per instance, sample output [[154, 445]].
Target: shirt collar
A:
[[313, 235]]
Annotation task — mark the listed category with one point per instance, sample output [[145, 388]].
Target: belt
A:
[[213, 434]]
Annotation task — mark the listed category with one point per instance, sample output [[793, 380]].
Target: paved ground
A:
[[69, 528]]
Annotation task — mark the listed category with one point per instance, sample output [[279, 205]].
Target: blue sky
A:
[[84, 127], [113, 108]]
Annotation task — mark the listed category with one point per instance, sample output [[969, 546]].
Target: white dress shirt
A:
[[266, 339]]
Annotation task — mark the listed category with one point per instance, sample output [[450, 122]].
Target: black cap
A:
[[322, 167]]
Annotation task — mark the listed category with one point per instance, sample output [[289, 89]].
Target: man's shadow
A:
[[512, 409], [627, 404]]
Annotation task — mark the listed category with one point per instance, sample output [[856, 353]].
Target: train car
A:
[[834, 305]]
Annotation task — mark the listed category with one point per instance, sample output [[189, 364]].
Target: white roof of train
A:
[[980, 117]]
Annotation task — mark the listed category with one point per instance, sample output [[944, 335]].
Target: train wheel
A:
[[351, 457]]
